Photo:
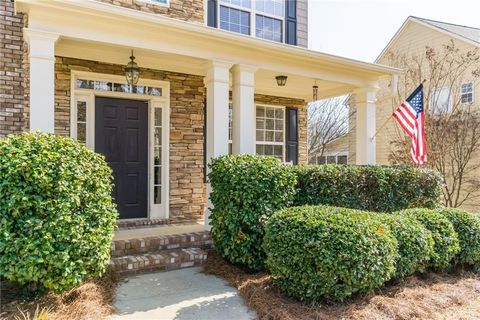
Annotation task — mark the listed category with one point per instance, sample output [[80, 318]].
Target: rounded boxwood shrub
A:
[[246, 189], [467, 227], [320, 251], [415, 244], [57, 216], [444, 235]]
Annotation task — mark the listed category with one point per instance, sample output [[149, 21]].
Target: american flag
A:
[[411, 117]]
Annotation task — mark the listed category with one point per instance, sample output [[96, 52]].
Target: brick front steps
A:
[[158, 261], [164, 247]]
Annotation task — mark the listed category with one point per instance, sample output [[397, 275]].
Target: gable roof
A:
[[465, 33], [462, 31]]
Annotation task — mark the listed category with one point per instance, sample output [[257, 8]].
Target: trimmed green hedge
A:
[[246, 190], [372, 188], [320, 251], [57, 216], [443, 233], [415, 244], [467, 227]]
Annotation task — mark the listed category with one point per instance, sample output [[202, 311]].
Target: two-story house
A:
[[148, 83]]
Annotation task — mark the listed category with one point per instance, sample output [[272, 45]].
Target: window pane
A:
[[121, 87], [158, 137], [157, 156], [260, 135], [270, 113], [157, 194], [82, 132], [268, 150], [260, 112], [260, 124], [268, 28], [103, 86], [269, 136], [278, 151], [273, 7], [331, 159], [157, 175], [84, 84], [278, 136], [234, 20], [158, 117], [321, 160], [278, 124], [81, 111], [260, 148], [270, 124], [342, 160]]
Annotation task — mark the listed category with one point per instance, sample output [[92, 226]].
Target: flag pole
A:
[[381, 127]]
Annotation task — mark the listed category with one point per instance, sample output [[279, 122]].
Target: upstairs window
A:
[[263, 18], [466, 92]]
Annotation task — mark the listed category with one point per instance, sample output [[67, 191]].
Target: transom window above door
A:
[[264, 18]]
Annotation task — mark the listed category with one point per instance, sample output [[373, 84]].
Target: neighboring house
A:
[[336, 152], [63, 71], [411, 40]]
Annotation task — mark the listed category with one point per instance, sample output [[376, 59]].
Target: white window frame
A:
[[273, 143], [155, 211], [332, 154], [473, 92], [253, 12], [167, 4]]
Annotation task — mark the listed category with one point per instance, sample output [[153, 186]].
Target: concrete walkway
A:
[[181, 294]]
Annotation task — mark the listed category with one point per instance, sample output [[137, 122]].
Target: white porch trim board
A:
[[243, 109], [41, 57], [365, 102]]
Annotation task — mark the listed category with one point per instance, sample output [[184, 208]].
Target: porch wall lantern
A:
[[281, 80], [132, 71]]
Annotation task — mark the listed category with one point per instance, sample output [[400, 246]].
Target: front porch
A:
[[190, 75]]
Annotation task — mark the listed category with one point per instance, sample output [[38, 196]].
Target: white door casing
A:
[[86, 97]]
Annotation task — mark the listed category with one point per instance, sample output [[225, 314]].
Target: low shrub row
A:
[[318, 252], [247, 189], [372, 188]]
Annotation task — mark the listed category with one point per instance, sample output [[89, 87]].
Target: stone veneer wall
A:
[[187, 10], [302, 120], [12, 72], [187, 94]]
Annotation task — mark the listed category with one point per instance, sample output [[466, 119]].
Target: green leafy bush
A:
[[246, 189], [443, 233], [372, 188], [320, 251], [415, 244], [56, 214], [467, 227]]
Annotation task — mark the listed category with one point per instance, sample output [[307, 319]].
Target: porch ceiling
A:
[[97, 31]]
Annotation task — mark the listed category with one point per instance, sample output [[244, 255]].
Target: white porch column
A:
[[41, 55], [217, 83], [365, 102], [243, 111]]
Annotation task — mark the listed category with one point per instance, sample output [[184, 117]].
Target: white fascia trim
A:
[[105, 9]]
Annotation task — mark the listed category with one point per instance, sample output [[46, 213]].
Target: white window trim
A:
[[155, 211], [253, 12], [273, 143], [167, 4], [473, 92]]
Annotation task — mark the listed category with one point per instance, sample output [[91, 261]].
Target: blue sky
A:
[[360, 29]]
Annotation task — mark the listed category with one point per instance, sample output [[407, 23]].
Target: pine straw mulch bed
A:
[[91, 300], [430, 296]]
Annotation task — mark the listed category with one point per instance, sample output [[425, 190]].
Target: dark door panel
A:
[[121, 135]]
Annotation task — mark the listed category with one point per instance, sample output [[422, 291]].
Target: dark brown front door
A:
[[121, 135]]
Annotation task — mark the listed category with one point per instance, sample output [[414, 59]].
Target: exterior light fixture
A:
[[281, 80], [315, 91], [132, 71]]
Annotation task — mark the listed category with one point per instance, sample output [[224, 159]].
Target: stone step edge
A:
[[140, 223], [132, 246], [158, 261]]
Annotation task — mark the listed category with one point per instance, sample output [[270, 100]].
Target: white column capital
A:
[[243, 75], [41, 43], [218, 71]]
